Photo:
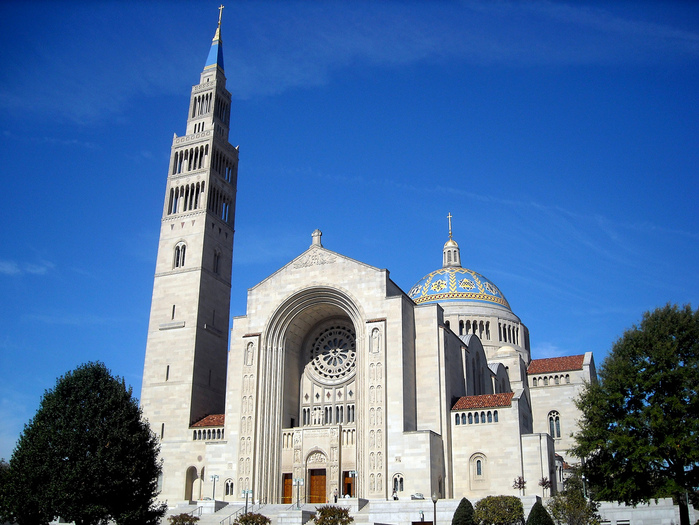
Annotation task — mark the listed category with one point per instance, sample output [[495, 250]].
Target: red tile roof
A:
[[556, 364], [484, 401], [214, 420]]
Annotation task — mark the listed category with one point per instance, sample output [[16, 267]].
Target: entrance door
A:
[[317, 486], [347, 483], [288, 488]]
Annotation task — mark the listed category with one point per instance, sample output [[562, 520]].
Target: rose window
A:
[[333, 354]]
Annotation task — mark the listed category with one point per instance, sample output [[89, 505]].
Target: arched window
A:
[[567, 379], [534, 382], [463, 419], [229, 487], [490, 417], [554, 424], [479, 468], [476, 418], [457, 419], [495, 416], [180, 251], [398, 482], [470, 419], [556, 380], [546, 381]]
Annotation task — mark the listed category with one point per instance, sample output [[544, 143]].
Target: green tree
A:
[[252, 518], [332, 515], [86, 456], [538, 515], [463, 515], [639, 425], [499, 510], [571, 507]]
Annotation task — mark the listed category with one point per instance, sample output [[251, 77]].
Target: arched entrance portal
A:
[[189, 483], [316, 476], [313, 351]]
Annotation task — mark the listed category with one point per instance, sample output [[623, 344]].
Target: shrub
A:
[[332, 515], [252, 518], [499, 510], [182, 519], [463, 515], [539, 516]]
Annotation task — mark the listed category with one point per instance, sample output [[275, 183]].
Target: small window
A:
[[534, 382], [567, 379], [495, 416], [457, 420], [470, 419], [490, 417], [463, 419], [479, 468], [476, 418]]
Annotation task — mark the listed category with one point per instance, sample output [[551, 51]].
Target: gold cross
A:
[[449, 217], [220, 12]]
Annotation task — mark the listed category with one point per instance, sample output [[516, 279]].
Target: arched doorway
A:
[[189, 483]]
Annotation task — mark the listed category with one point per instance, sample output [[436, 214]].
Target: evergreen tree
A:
[[639, 425], [538, 515], [86, 456], [463, 515]]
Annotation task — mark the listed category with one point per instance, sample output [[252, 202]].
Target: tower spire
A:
[[451, 255], [215, 58]]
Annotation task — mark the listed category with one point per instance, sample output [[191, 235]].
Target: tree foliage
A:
[[571, 507], [538, 515], [463, 515], [332, 515], [252, 518], [639, 426], [499, 510], [86, 456]]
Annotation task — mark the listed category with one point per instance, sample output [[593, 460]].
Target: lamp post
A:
[[214, 478], [298, 482], [434, 500], [246, 492]]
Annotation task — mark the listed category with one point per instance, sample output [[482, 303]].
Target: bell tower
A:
[[184, 376]]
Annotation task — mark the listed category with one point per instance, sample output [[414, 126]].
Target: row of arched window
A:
[[327, 415], [207, 434], [219, 204], [551, 380], [474, 418], [478, 328], [508, 333], [201, 104], [185, 198], [222, 165], [222, 111], [190, 159]]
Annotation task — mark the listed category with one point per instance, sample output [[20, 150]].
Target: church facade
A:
[[335, 381]]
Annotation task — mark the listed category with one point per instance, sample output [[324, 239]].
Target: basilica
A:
[[335, 382]]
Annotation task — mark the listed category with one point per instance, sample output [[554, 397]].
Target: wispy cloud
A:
[[69, 319], [94, 71], [14, 268]]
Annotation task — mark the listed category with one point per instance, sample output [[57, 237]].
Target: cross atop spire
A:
[[215, 58], [449, 217]]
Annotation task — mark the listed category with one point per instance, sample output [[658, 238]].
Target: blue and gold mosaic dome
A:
[[456, 284]]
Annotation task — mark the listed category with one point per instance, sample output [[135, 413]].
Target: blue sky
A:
[[562, 137]]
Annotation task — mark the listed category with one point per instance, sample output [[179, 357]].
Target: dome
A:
[[456, 284]]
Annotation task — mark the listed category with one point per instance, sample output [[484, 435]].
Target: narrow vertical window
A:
[[162, 431], [167, 373]]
